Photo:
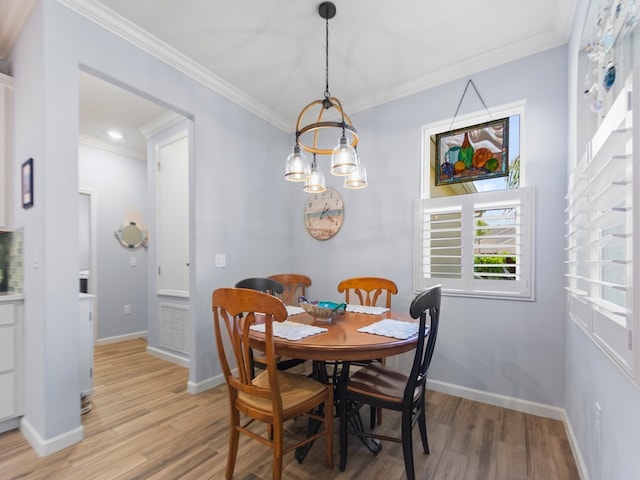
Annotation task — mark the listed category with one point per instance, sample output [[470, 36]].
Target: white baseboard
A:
[[577, 454], [503, 401], [10, 424], [121, 338], [168, 356], [211, 382], [46, 447], [518, 405]]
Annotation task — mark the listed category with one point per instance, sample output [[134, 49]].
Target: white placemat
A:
[[365, 309], [293, 310], [393, 328], [290, 330]]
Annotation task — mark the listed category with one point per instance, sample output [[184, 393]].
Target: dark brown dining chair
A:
[[273, 397], [295, 285], [382, 387], [275, 288], [369, 291]]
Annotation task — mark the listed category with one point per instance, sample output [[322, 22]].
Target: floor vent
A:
[[174, 327]]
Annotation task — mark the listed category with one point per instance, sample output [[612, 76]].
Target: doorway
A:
[[118, 170]]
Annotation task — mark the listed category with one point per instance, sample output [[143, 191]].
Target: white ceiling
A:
[[269, 55]]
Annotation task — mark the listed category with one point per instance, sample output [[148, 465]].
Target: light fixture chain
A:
[[327, 95]]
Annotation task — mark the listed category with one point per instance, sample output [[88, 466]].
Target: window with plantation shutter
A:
[[478, 244], [601, 231]]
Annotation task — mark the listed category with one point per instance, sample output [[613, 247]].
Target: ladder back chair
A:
[[295, 285], [380, 386], [369, 291], [274, 396]]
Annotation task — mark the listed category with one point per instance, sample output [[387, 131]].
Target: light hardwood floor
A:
[[144, 425]]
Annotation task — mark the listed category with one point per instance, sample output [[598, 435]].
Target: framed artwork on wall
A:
[[27, 184], [477, 152]]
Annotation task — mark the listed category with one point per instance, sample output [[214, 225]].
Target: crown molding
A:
[[100, 144], [466, 68], [161, 123], [114, 23]]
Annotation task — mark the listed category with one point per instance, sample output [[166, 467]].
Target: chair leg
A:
[[343, 433], [234, 437], [407, 445], [372, 420], [328, 425], [277, 451], [422, 426]]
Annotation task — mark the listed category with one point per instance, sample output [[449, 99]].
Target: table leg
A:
[[319, 374], [355, 420]]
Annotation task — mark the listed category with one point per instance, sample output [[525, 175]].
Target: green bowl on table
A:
[[323, 310]]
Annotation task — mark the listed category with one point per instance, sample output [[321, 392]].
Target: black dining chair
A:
[[369, 291], [275, 288], [382, 387]]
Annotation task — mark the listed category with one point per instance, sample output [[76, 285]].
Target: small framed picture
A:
[[477, 152], [27, 184]]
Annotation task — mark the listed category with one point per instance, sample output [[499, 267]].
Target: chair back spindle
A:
[[295, 285], [368, 290]]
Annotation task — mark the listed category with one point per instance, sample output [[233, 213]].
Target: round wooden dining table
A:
[[341, 341]]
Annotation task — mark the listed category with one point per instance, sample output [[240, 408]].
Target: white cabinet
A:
[[6, 125], [86, 343], [10, 361]]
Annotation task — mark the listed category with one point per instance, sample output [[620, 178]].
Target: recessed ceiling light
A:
[[114, 134]]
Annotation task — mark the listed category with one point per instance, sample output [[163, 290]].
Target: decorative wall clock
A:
[[324, 214]]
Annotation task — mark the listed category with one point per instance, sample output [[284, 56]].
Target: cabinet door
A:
[[173, 217], [7, 349], [6, 95], [8, 404], [86, 345]]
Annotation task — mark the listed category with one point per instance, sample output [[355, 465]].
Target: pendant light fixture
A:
[[344, 158]]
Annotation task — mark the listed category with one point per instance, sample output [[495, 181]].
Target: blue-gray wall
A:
[[241, 206], [591, 376], [510, 348], [239, 203], [119, 184]]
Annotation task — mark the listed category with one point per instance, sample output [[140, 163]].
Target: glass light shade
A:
[[297, 168], [315, 184], [357, 178], [344, 158]]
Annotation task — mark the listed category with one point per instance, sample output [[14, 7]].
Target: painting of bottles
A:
[[477, 152]]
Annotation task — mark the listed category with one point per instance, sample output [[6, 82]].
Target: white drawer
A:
[[7, 314], [7, 349], [8, 405]]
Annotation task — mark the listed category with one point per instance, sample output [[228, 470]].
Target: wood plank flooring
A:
[[145, 425]]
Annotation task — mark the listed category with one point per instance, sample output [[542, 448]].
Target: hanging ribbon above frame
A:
[[475, 152], [469, 82]]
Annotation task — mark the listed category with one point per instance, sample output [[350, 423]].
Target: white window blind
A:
[[478, 244], [601, 226]]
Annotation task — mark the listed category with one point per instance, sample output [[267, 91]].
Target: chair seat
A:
[[381, 382], [295, 390]]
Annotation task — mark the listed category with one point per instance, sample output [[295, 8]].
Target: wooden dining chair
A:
[[295, 285], [275, 288], [369, 291], [274, 396], [380, 386]]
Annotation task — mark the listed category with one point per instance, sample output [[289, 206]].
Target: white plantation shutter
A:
[[477, 244], [601, 225]]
